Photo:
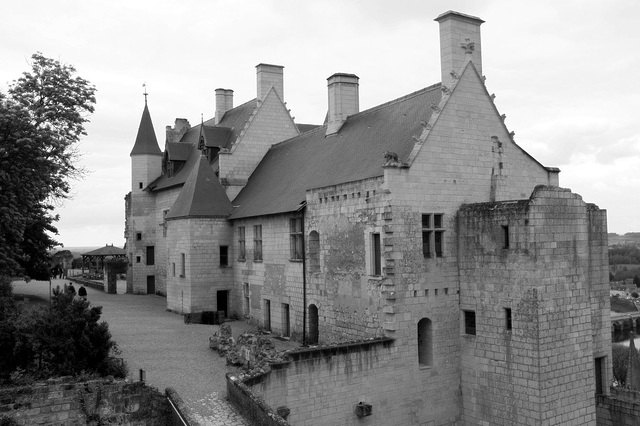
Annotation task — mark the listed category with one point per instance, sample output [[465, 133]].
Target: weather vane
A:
[[145, 92]]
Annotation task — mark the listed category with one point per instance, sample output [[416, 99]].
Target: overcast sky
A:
[[564, 73]]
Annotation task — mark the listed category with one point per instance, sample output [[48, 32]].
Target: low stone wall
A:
[[64, 402], [348, 384], [621, 408], [252, 407]]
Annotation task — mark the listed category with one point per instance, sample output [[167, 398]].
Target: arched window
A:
[[425, 342], [314, 251]]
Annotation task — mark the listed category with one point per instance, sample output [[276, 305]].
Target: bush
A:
[[63, 339]]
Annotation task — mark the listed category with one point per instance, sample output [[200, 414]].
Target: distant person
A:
[[71, 289], [82, 292]]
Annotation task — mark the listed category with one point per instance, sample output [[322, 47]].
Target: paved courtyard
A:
[[172, 353]]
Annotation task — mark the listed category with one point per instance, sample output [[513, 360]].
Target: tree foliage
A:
[[42, 119], [624, 255], [65, 338], [620, 362]]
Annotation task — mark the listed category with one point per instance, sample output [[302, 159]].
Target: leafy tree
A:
[[42, 119], [620, 362]]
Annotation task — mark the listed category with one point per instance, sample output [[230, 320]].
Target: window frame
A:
[[432, 235], [296, 249], [376, 254], [242, 248], [224, 256], [257, 243], [470, 323]]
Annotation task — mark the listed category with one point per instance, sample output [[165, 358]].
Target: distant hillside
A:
[[76, 251], [628, 238]]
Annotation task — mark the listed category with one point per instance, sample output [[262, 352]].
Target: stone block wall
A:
[[322, 386], [526, 276], [620, 408], [276, 277], [62, 402], [196, 242]]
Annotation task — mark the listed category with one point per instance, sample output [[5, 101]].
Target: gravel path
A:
[[172, 353]]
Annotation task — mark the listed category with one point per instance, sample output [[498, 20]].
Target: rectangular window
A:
[[224, 256], [267, 315], [470, 322], [140, 185], [173, 268], [242, 250], [151, 255], [257, 242], [600, 364], [507, 316], [183, 265], [295, 238], [247, 302], [138, 236], [376, 253], [164, 222], [432, 235], [138, 259], [505, 234]]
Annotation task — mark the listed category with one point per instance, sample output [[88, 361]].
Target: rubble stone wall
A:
[[58, 402]]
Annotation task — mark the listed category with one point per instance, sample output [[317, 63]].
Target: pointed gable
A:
[[146, 141], [202, 195]]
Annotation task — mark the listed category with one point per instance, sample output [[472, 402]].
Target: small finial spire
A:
[[145, 92]]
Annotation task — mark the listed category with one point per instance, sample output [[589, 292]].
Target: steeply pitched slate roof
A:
[[146, 142], [178, 151], [233, 120], [202, 195], [312, 160]]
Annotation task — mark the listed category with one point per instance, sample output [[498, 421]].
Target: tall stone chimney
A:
[[224, 102], [344, 100], [459, 43], [270, 75]]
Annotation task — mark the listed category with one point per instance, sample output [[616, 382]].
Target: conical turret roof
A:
[[146, 141], [202, 195]]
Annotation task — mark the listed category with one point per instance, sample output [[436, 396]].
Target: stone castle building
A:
[[418, 223]]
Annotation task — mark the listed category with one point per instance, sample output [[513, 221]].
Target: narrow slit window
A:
[[507, 318], [505, 236]]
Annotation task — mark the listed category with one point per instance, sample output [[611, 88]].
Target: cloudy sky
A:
[[564, 73]]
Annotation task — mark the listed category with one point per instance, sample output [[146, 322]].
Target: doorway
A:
[[313, 325], [151, 284], [286, 325], [267, 315], [222, 301]]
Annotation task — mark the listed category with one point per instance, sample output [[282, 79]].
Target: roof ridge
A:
[[394, 101], [236, 107]]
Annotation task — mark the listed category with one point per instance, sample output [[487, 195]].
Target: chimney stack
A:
[[270, 75], [224, 102], [343, 100], [459, 43]]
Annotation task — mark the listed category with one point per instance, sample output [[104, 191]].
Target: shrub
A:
[[65, 338]]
